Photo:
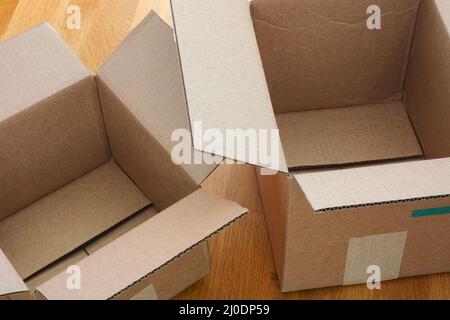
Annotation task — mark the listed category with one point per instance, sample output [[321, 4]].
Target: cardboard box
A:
[[86, 179], [363, 115]]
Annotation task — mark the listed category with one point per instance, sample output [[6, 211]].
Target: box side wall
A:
[[141, 156], [50, 144], [427, 87], [145, 74], [173, 278], [321, 54], [273, 189], [318, 245]]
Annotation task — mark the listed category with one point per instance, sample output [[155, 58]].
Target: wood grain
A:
[[242, 266]]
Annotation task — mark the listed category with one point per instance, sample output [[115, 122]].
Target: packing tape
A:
[[149, 293], [384, 251]]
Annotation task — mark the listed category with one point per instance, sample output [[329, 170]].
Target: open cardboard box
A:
[[86, 177], [364, 120]]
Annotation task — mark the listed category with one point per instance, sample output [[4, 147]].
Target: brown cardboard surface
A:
[[137, 117], [50, 144], [34, 66], [74, 200], [141, 156], [376, 184], [50, 134], [149, 246], [315, 246], [55, 268], [233, 93], [427, 88], [274, 195], [125, 226], [367, 210], [144, 73], [173, 277], [65, 219], [347, 135], [18, 297], [320, 53], [10, 281]]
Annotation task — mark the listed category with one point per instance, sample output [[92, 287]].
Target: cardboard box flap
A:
[[10, 281], [47, 66], [62, 265], [148, 247], [144, 73], [355, 187], [120, 229], [52, 227], [224, 79], [350, 135]]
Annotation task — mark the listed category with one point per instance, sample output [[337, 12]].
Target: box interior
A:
[[86, 160], [61, 188], [339, 90]]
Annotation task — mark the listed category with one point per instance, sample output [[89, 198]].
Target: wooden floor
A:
[[242, 266]]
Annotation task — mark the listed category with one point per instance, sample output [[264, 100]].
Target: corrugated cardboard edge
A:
[[198, 207], [178, 256], [176, 276], [246, 93], [10, 281], [376, 185]]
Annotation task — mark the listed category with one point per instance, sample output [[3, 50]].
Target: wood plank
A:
[[7, 8]]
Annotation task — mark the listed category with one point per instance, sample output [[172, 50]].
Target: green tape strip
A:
[[430, 212]]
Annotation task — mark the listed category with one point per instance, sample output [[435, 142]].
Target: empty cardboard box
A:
[[92, 207], [363, 114]]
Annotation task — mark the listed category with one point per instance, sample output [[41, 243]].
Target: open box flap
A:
[[372, 185], [47, 66], [10, 281], [144, 73], [145, 249], [224, 79]]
